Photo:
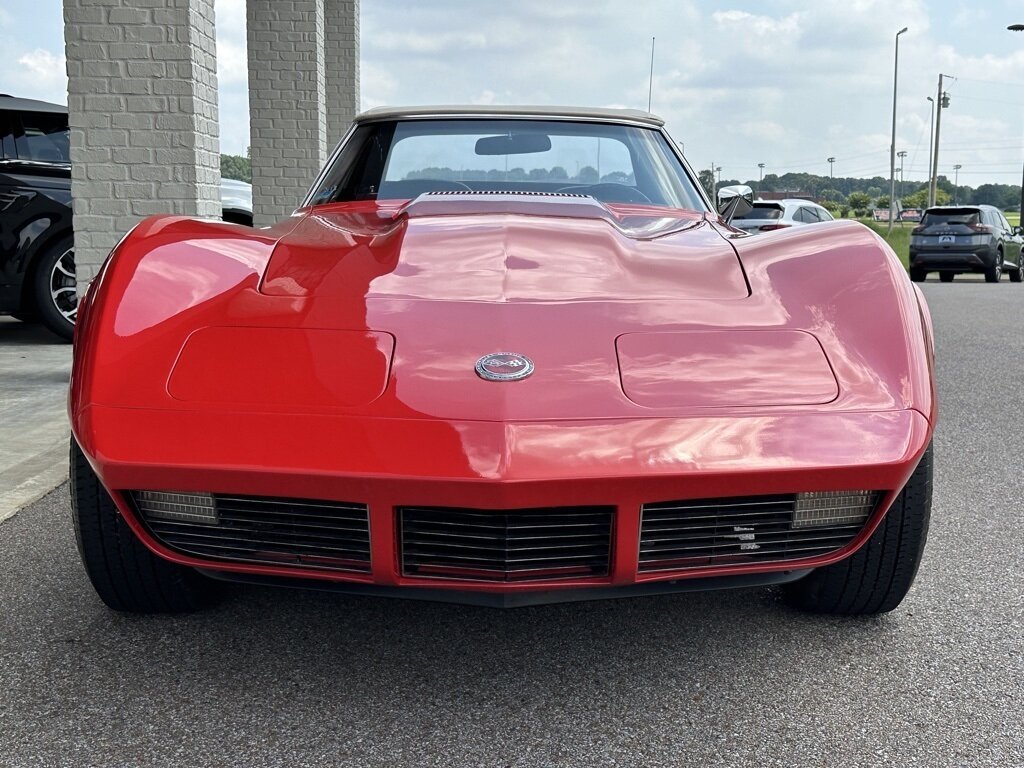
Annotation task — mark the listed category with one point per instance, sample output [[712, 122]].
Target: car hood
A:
[[497, 250]]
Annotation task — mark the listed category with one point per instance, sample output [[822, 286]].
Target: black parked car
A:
[[952, 240], [37, 253]]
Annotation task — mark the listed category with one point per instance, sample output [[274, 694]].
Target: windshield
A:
[[400, 160]]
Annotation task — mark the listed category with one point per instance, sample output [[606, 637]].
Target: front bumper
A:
[[390, 464]]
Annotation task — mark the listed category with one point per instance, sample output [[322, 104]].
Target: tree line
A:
[[861, 194]]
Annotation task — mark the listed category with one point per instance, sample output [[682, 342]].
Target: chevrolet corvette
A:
[[504, 356]]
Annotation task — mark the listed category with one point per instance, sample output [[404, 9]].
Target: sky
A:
[[788, 83]]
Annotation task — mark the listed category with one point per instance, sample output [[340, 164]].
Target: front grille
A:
[[249, 529], [507, 545], [753, 529]]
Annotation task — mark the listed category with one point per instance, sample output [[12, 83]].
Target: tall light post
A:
[[831, 163], [1020, 28], [931, 135], [892, 146], [760, 176], [956, 184], [716, 175]]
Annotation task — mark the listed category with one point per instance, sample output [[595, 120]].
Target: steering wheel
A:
[[610, 192]]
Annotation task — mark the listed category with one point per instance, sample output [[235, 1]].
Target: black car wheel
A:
[[947, 277], [1017, 275], [126, 575], [918, 275], [55, 291], [878, 576], [993, 273]]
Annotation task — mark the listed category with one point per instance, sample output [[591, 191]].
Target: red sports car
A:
[[503, 356]]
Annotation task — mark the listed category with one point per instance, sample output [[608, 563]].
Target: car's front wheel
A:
[[877, 577], [1017, 275], [54, 288], [947, 277], [126, 575]]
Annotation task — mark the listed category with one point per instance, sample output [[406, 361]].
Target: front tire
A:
[[1017, 275], [54, 289], [126, 575], [877, 577]]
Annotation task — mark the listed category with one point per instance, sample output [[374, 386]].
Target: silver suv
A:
[[767, 215]]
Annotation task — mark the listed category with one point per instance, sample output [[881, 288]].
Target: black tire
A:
[[877, 577], [947, 277], [918, 275], [993, 273], [126, 575], [52, 284], [1017, 275]]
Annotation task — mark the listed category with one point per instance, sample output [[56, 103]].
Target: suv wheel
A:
[[126, 575], [993, 273], [947, 277], [877, 577], [1017, 275], [917, 274], [55, 291]]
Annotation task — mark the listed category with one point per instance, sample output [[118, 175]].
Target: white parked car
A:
[[767, 215]]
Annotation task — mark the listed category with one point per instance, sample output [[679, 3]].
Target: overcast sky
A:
[[785, 83]]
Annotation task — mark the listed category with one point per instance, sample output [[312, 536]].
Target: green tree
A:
[[236, 167], [707, 180], [858, 200], [588, 175]]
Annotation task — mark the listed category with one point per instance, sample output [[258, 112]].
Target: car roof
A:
[[602, 114], [16, 104]]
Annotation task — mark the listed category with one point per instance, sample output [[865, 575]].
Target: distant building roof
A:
[[29, 105]]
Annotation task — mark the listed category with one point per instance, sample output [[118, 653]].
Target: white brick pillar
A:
[[341, 54], [142, 103], [287, 102], [303, 94]]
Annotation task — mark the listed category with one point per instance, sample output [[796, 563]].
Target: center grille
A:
[[506, 546], [753, 529], [294, 532]]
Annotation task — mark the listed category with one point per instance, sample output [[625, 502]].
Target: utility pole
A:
[[650, 82], [942, 102], [716, 172], [901, 155], [831, 162], [956, 184], [892, 145], [931, 135], [1020, 28], [760, 177]]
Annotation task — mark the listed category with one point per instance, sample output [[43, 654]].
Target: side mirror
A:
[[735, 201], [1018, 230]]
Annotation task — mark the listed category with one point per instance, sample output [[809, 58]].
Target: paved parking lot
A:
[[34, 370], [274, 678]]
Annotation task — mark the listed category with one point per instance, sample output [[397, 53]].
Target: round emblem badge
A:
[[504, 366]]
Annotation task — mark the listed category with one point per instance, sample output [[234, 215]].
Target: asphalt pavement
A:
[[274, 677]]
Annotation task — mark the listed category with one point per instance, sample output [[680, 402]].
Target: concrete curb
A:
[[33, 478]]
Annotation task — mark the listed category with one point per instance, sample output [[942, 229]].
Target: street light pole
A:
[[956, 184], [1020, 28], [760, 176], [831, 163], [892, 146], [931, 135]]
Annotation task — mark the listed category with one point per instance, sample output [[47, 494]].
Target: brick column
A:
[[287, 103], [142, 103], [341, 47]]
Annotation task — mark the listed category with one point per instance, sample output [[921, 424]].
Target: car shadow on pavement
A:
[[15, 333]]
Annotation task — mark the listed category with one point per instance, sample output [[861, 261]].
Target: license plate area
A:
[[947, 239]]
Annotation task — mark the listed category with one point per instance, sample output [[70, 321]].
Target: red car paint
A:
[[332, 357]]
